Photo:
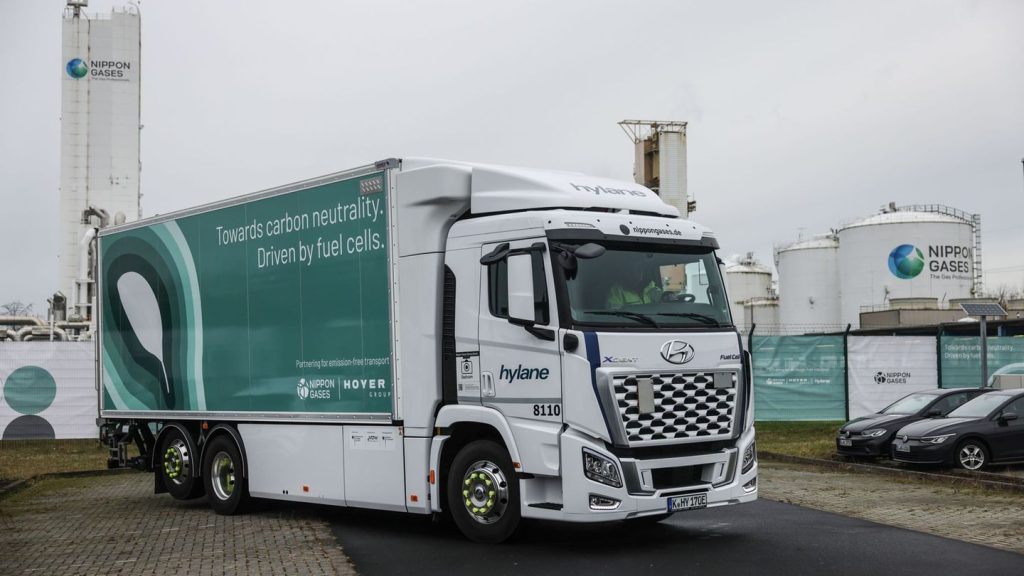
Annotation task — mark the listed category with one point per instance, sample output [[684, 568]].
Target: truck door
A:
[[519, 355]]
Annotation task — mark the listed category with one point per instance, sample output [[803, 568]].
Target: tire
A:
[[226, 489], [178, 466], [971, 455], [483, 493]]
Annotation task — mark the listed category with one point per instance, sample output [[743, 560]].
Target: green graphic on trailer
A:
[[276, 305], [960, 359], [799, 377]]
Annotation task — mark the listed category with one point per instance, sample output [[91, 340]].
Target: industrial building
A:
[[905, 265], [100, 123]]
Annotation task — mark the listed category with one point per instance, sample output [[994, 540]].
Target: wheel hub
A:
[[177, 462], [485, 492]]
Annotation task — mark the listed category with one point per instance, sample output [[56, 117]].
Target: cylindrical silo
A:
[[904, 254], [809, 293], [746, 279]]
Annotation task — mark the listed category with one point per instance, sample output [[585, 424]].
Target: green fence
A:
[[799, 377], [960, 359]]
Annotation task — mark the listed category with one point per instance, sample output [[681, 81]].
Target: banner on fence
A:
[[47, 390], [961, 359], [883, 369], [799, 377]]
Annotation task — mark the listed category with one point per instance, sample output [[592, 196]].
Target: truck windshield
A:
[[648, 286]]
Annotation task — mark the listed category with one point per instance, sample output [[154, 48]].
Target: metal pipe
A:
[[8, 334], [30, 333], [74, 325], [21, 321]]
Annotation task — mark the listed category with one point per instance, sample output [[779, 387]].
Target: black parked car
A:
[[871, 435], [988, 429]]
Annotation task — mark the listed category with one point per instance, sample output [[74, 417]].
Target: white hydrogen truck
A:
[[432, 337]]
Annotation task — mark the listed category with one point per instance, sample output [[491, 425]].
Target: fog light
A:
[[750, 486], [601, 469], [603, 502], [749, 456]]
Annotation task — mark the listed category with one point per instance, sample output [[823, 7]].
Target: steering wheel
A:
[[677, 297]]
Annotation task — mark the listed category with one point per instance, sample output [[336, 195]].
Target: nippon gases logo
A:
[[906, 261], [944, 261], [76, 68], [98, 69], [316, 388]]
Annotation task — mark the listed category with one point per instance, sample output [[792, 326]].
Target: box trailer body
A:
[[430, 336]]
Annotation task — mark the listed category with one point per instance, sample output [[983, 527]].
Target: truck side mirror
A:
[[521, 297]]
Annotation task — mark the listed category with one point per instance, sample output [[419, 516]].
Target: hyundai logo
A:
[[677, 352]]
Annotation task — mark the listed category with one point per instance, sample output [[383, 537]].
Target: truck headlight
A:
[[601, 469], [936, 439], [749, 456], [873, 433]]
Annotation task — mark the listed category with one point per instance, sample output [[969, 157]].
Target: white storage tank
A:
[[764, 313], [746, 279], [809, 289], [904, 254]]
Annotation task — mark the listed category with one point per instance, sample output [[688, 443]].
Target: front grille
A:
[[682, 406]]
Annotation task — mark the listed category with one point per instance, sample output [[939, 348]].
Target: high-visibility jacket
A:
[[619, 296]]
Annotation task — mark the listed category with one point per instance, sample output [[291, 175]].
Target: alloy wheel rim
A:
[[485, 492], [223, 475], [972, 457]]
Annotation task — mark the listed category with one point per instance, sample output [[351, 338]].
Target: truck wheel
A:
[[971, 455], [225, 485], [483, 492], [177, 467]]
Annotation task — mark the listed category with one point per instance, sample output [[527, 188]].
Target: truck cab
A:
[[586, 331]]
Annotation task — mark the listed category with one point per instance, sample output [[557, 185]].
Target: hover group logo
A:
[[906, 261]]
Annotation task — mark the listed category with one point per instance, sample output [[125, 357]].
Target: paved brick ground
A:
[[982, 516], [116, 525]]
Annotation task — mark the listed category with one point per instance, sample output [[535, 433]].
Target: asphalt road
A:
[[760, 538]]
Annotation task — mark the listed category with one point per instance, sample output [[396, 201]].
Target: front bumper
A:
[[924, 452], [862, 446], [649, 483]]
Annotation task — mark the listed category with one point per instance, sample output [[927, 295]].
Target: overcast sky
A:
[[802, 114]]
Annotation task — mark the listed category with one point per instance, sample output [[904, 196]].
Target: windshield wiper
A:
[[643, 318], [694, 315]]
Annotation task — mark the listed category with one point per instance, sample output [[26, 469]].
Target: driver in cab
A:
[[635, 287]]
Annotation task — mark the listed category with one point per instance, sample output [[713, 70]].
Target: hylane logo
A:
[[906, 261], [302, 389], [76, 68], [677, 352]]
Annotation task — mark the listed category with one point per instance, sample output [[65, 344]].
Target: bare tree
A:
[[16, 308], [1005, 293]]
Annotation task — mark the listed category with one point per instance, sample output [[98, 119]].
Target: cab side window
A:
[[497, 289]]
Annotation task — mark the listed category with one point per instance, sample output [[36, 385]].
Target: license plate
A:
[[845, 442], [901, 447], [689, 502]]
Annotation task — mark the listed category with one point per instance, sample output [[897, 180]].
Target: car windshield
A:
[[648, 286], [909, 404], [979, 407]]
